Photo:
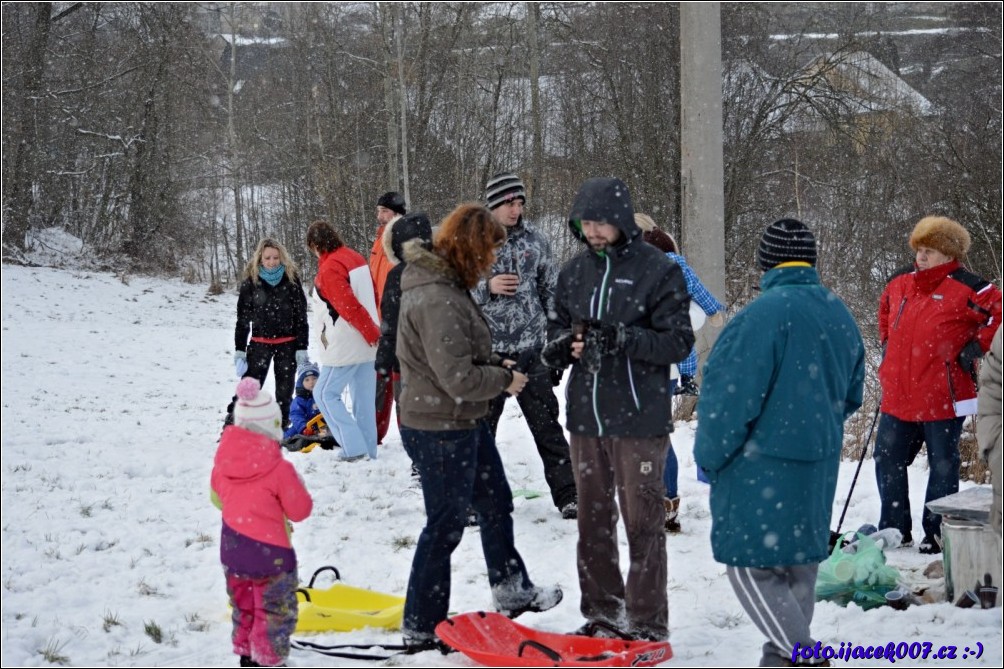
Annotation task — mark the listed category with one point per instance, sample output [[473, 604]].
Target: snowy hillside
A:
[[113, 397]]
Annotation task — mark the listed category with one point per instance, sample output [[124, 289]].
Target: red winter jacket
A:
[[926, 318], [346, 322]]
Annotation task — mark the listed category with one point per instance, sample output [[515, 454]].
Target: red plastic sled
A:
[[495, 641]]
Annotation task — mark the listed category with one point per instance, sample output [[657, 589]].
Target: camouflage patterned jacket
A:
[[518, 322]]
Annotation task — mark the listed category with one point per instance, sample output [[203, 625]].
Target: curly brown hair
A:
[[323, 238], [467, 239]]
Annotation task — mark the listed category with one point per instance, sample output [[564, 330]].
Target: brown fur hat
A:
[[941, 234]]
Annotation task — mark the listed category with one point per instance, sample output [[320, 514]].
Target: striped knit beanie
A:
[[256, 410], [502, 188], [786, 240]]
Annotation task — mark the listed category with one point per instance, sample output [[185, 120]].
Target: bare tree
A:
[[33, 19]]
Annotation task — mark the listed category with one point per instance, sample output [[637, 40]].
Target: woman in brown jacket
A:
[[448, 376]]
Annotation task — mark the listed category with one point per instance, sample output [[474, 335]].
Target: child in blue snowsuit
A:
[[303, 409]]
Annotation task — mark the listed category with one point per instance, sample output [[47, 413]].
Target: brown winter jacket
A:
[[448, 372]]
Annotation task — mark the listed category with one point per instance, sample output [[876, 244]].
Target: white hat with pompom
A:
[[256, 410]]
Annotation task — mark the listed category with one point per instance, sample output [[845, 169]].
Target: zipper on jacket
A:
[[899, 314], [951, 386], [634, 392], [596, 376]]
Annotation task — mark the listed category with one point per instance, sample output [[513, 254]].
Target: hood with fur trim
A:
[[941, 234], [404, 229], [444, 347], [436, 269]]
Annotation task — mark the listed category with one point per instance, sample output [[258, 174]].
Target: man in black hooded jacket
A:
[[620, 319]]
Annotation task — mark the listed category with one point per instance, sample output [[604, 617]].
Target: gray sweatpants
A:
[[633, 467], [780, 602]]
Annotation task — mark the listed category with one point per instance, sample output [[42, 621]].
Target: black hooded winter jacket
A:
[[404, 229], [632, 283]]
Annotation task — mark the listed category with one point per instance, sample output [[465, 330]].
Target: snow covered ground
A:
[[113, 397]]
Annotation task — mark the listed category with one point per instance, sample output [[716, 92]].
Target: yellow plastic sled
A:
[[342, 608]]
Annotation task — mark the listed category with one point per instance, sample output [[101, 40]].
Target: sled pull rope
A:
[[334, 651], [549, 652], [338, 576], [554, 656], [304, 592], [595, 625]]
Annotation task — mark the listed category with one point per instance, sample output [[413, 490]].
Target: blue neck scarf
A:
[[273, 276]]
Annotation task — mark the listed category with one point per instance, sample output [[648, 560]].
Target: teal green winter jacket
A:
[[782, 378]]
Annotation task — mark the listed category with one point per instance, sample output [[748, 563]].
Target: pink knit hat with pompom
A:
[[256, 410]]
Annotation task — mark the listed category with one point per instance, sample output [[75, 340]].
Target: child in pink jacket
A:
[[258, 491]]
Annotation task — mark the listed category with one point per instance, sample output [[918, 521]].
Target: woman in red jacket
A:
[[935, 323]]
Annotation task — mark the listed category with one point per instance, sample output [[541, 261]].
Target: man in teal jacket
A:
[[782, 378]]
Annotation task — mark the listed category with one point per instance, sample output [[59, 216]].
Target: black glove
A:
[[556, 375], [611, 337], [592, 351], [557, 353], [526, 360], [969, 356], [384, 362]]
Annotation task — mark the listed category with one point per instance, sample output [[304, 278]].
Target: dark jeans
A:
[[282, 357], [671, 476], [459, 469], [896, 445], [540, 407]]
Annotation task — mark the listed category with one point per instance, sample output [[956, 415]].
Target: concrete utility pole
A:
[[701, 164]]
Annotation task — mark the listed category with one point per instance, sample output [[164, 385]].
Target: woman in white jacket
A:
[[344, 331]]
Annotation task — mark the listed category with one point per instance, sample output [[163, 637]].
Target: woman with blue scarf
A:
[[271, 321]]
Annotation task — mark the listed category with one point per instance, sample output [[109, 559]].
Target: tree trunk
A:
[[18, 201], [233, 150], [403, 99], [141, 210], [532, 18], [389, 90]]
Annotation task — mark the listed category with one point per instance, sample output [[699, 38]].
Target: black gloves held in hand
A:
[[557, 353], [610, 337], [599, 339], [969, 356]]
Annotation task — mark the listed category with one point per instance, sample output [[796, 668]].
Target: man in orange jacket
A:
[[390, 207]]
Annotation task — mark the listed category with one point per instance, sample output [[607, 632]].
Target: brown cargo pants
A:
[[633, 467]]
